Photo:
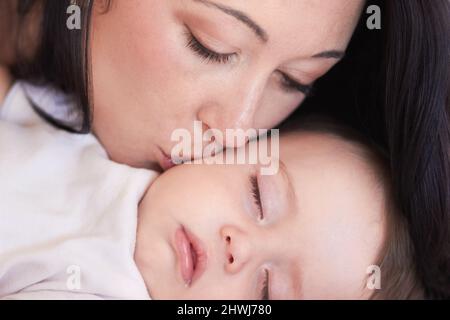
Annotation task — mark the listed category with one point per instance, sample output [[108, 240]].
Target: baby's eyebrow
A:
[[292, 196], [296, 277], [295, 272]]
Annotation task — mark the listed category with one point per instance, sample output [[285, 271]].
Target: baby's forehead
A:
[[331, 164], [325, 147], [339, 209], [318, 139]]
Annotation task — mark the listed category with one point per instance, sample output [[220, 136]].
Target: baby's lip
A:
[[191, 255]]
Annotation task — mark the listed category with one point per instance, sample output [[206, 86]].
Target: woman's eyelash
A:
[[287, 84], [257, 195], [205, 53], [290, 85], [265, 288]]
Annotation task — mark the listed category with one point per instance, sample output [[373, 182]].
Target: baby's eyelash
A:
[[257, 195], [265, 287]]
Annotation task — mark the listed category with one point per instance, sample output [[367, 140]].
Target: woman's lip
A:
[[191, 255], [166, 162]]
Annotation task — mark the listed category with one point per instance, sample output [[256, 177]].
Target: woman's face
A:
[[313, 228], [160, 65]]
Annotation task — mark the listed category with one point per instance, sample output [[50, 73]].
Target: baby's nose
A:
[[238, 249]]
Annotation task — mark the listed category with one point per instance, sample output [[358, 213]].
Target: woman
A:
[[138, 70]]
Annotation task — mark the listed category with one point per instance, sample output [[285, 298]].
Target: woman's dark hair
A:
[[393, 86], [61, 57]]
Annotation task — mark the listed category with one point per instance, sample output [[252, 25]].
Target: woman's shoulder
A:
[[5, 83]]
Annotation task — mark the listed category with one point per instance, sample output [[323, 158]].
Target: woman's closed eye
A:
[[208, 55], [287, 84]]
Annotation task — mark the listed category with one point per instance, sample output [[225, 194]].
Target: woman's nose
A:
[[238, 248], [236, 110]]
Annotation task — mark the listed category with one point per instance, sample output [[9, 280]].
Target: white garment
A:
[[67, 212]]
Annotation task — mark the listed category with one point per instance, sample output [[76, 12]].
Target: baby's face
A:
[[203, 235]]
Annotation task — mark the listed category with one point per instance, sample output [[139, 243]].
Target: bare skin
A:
[[148, 80], [150, 77], [320, 224]]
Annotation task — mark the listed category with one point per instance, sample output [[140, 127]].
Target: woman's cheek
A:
[[275, 107]]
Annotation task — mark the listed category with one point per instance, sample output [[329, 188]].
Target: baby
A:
[[323, 227], [75, 225]]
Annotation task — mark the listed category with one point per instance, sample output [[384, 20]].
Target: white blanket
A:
[[68, 214]]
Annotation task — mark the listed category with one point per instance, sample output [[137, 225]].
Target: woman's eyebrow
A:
[[259, 31], [239, 15]]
